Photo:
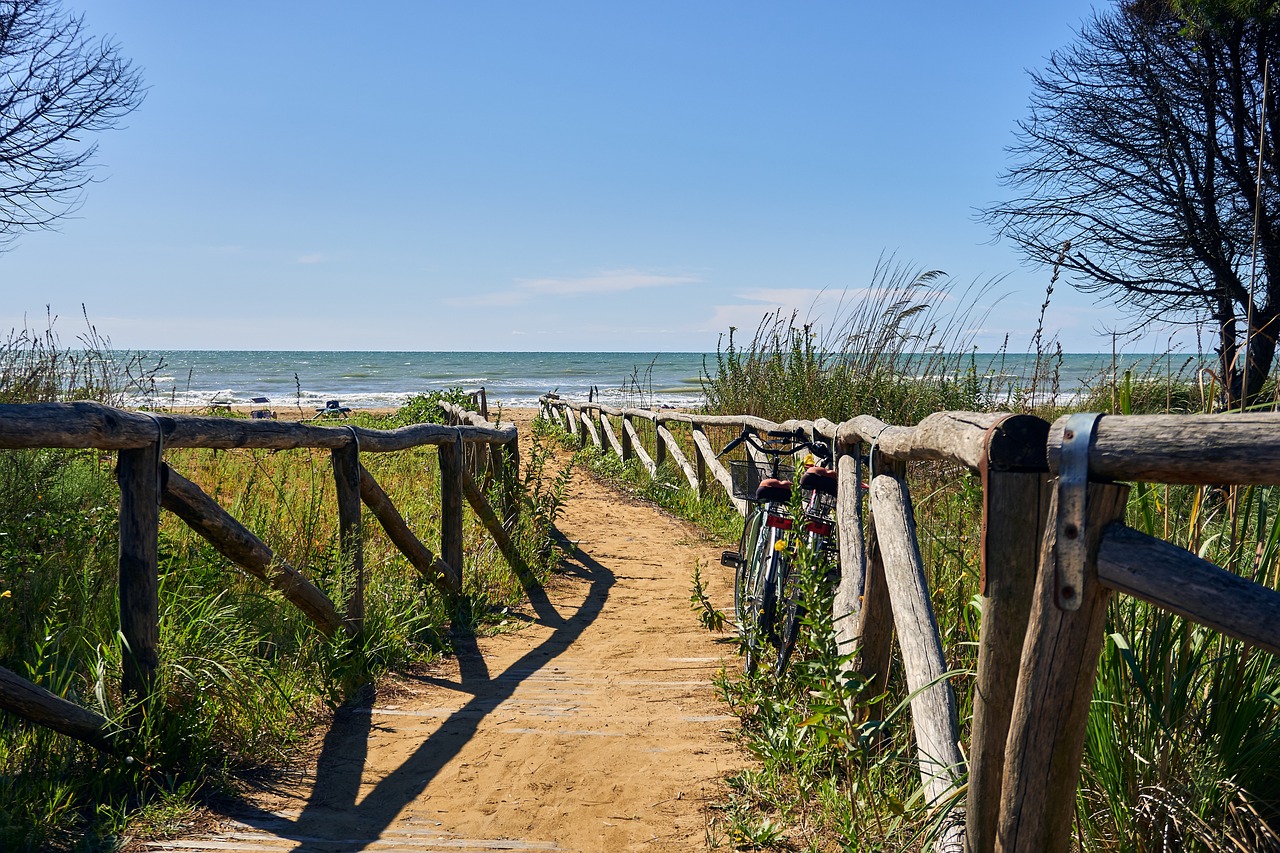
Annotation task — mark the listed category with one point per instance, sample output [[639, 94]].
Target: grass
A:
[[244, 677], [1183, 743]]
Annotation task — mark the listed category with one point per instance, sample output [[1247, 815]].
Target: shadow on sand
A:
[[332, 818]]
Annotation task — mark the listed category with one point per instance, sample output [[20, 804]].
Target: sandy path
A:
[[593, 727]]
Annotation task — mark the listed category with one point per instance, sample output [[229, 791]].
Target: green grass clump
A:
[[893, 353]]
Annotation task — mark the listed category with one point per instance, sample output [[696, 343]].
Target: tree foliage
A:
[[58, 85], [1139, 163]]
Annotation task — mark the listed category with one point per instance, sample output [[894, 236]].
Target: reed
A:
[[900, 348], [1182, 745]]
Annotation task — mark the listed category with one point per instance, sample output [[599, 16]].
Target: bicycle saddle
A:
[[773, 489], [820, 480]]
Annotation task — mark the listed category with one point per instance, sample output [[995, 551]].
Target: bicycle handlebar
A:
[[797, 440]]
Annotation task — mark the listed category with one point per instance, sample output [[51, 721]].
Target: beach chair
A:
[[333, 409], [262, 414], [219, 402]]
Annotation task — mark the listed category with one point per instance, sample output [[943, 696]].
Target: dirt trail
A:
[[593, 727]]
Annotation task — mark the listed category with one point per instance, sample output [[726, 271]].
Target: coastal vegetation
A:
[[244, 678], [1184, 730]]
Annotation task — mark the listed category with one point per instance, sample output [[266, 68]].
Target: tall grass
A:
[[1183, 746], [243, 675], [901, 348]]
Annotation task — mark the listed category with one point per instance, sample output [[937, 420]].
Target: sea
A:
[[517, 379]]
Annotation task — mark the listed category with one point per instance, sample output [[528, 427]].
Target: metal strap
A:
[[1073, 494], [160, 469]]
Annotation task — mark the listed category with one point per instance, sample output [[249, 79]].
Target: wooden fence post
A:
[[933, 708], [1015, 500], [668, 441], [1055, 687], [571, 418], [861, 611], [511, 482], [846, 605], [607, 426], [590, 424], [451, 510], [627, 451], [346, 476], [138, 472], [700, 461]]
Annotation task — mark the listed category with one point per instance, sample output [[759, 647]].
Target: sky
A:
[[548, 175]]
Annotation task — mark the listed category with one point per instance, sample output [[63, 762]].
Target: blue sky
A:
[[541, 175]]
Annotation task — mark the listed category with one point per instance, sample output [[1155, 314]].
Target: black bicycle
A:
[[767, 595]]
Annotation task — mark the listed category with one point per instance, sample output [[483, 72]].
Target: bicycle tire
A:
[[793, 612], [760, 597], [747, 546]]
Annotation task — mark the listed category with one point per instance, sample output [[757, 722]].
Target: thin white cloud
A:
[[313, 258], [608, 281]]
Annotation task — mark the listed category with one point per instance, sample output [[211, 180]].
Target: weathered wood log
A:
[[493, 524], [659, 446], [81, 425], [668, 441], [1199, 449], [958, 437], [933, 708], [555, 414], [33, 703], [1015, 504], [846, 605], [419, 555], [611, 435], [636, 446], [235, 542], [574, 428], [737, 421], [451, 543], [346, 477], [825, 428], [139, 475], [416, 435], [625, 437], [1177, 580], [874, 626], [708, 457], [1055, 687], [589, 425]]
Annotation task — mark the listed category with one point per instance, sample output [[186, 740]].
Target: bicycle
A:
[[763, 576]]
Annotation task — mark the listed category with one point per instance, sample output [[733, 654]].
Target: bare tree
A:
[[58, 85], [1141, 156]]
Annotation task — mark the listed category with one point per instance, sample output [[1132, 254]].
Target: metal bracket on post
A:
[[1073, 492]]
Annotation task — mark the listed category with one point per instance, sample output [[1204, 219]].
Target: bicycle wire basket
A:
[[746, 475], [823, 503]]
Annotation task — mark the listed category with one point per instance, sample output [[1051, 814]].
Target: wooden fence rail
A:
[[1054, 550], [148, 484]]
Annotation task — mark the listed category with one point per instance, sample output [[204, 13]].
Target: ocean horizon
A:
[[377, 379]]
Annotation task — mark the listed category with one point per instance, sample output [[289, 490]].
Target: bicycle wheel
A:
[[745, 571], [792, 605], [760, 598]]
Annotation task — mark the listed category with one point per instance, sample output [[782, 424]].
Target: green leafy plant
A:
[[711, 618]]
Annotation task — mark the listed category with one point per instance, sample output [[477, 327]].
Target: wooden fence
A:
[[1054, 550], [147, 484]]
